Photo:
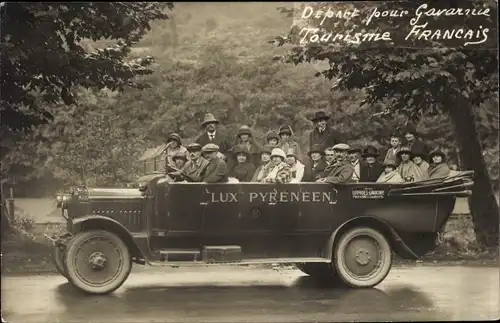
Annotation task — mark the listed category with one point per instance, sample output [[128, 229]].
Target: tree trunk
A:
[[482, 203]]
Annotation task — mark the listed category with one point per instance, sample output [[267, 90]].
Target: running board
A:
[[260, 261]]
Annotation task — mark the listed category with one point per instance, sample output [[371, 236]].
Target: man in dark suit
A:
[[216, 170], [212, 136], [322, 134], [370, 169]]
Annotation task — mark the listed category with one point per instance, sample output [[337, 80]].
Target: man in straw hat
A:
[[216, 171], [211, 135], [322, 134], [341, 170]]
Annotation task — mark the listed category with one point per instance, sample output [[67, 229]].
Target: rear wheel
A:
[[97, 262], [363, 257]]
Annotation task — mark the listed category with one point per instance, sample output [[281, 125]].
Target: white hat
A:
[[341, 147], [278, 152]]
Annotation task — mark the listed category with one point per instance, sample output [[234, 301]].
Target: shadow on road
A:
[[304, 294]]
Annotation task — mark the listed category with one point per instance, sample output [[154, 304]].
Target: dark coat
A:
[[220, 140], [243, 172], [370, 173], [196, 172], [311, 172], [253, 149], [327, 138], [216, 172], [338, 172], [418, 145]]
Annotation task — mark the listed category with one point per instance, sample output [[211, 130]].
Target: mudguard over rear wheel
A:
[[362, 257], [97, 262]]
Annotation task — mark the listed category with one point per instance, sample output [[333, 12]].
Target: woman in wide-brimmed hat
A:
[[315, 165], [174, 147], [243, 169], [370, 169], [265, 164], [390, 174], [407, 168], [411, 141], [279, 171], [419, 157], [438, 168]]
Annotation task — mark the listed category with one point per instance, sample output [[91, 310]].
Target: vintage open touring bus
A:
[[345, 233]]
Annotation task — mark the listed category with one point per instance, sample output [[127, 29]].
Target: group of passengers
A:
[[211, 159]]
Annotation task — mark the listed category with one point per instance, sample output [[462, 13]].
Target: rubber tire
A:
[[342, 271], [58, 259], [69, 266]]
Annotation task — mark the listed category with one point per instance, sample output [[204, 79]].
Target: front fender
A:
[[98, 222], [395, 241]]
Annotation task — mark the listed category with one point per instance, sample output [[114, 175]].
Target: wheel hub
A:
[[97, 260], [363, 256]]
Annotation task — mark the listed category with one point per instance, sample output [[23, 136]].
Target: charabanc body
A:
[[341, 232]]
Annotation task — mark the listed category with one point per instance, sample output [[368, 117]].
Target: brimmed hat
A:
[[390, 162], [409, 128], [179, 155], [316, 149], [291, 152], [437, 152], [404, 150], [266, 150], [209, 148], [241, 150], [320, 115], [370, 151], [244, 130], [354, 149], [285, 129], [418, 153], [209, 118], [278, 152], [174, 136], [194, 147], [272, 135], [341, 147]]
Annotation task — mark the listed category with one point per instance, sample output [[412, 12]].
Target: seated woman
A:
[[296, 167], [408, 170], [243, 169], [265, 163], [279, 171], [438, 168], [390, 174]]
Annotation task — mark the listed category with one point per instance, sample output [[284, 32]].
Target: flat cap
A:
[[208, 148], [341, 147], [193, 146]]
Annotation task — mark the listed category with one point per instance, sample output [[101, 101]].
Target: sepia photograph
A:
[[249, 161]]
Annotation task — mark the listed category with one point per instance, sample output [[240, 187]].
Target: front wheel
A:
[[363, 257], [97, 262], [58, 258]]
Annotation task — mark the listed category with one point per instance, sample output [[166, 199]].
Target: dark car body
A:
[[171, 222]]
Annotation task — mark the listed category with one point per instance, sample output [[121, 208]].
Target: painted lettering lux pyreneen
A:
[[274, 196]]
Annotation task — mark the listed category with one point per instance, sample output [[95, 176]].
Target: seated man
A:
[[217, 170], [339, 171], [196, 166]]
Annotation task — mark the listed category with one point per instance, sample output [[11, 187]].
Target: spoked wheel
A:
[[97, 262], [363, 257]]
